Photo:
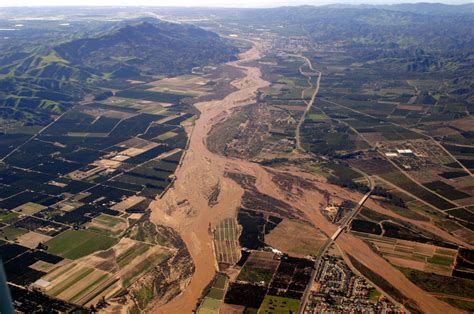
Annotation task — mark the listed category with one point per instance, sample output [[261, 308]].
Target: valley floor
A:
[[186, 208]]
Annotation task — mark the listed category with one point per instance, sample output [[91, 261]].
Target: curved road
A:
[[309, 103]]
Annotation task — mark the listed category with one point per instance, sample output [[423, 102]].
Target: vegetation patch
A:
[[460, 304], [441, 284], [74, 244], [29, 208], [11, 233], [259, 268], [279, 305]]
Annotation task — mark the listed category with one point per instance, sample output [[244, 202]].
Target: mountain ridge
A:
[[48, 80]]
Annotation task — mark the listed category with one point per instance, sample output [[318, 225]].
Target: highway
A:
[[345, 223]]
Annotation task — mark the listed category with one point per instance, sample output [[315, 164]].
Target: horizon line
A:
[[375, 3]]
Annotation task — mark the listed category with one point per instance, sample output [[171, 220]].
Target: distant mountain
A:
[[146, 48], [424, 8], [366, 25], [431, 8]]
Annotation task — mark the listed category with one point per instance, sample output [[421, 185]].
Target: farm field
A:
[[267, 280], [419, 256], [296, 238], [279, 305], [65, 216], [226, 241], [187, 85], [78, 284], [74, 244], [108, 225], [213, 300], [259, 268]]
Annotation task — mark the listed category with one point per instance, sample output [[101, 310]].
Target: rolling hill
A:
[[49, 79]]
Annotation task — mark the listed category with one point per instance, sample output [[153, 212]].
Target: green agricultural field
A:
[[446, 252], [74, 244], [220, 281], [319, 170], [279, 305], [7, 217], [317, 117], [213, 299], [441, 260], [144, 295], [94, 284], [186, 77], [209, 306], [129, 255], [166, 136], [70, 281], [216, 293], [255, 274], [11, 233]]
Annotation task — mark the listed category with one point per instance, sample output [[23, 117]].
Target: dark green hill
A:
[[148, 49]]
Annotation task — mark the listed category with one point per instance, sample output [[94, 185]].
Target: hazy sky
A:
[[206, 3]]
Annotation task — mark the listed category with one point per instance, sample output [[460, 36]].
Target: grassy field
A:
[[11, 233], [220, 281], [213, 300], [29, 208], [166, 136], [74, 244], [317, 117], [374, 294], [7, 217], [209, 306], [216, 293], [259, 268], [108, 225], [279, 305]]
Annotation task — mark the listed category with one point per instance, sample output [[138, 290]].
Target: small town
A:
[[338, 290]]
